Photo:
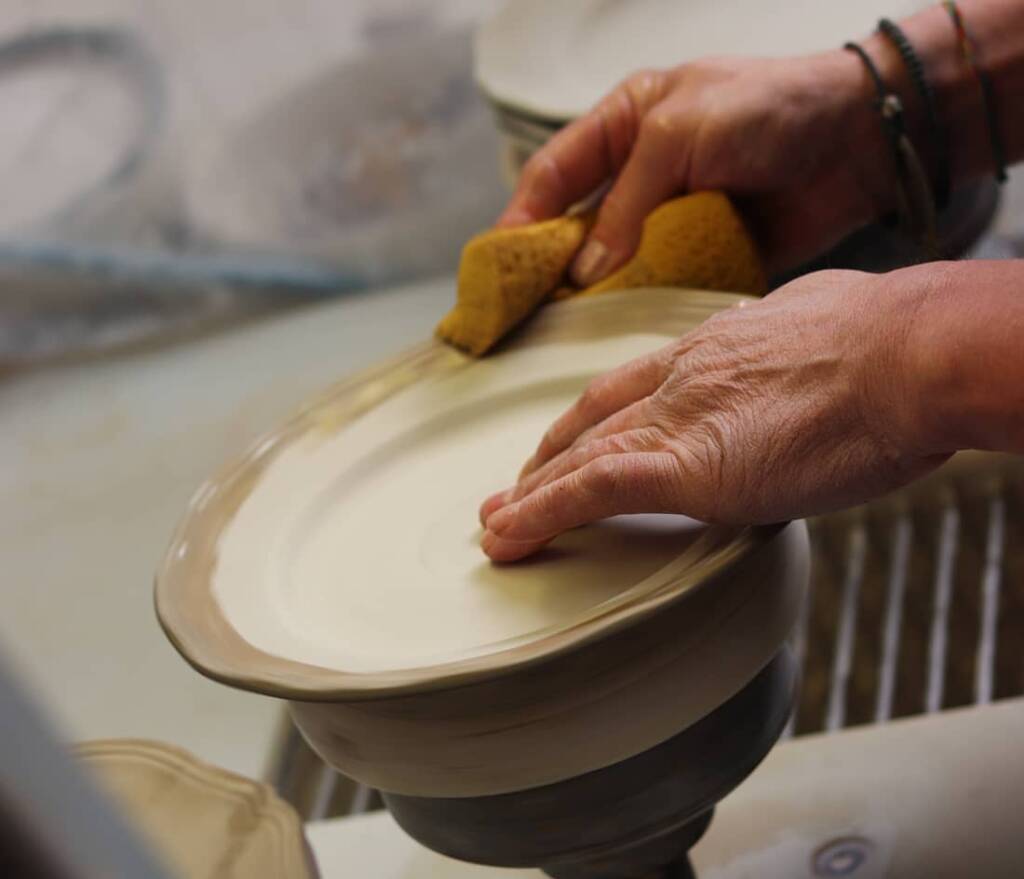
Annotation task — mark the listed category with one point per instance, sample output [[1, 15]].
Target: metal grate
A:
[[916, 601], [916, 604]]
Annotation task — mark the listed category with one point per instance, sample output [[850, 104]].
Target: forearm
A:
[[997, 27], [964, 356]]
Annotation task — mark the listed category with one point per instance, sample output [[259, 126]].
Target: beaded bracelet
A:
[[938, 135], [916, 206], [969, 52]]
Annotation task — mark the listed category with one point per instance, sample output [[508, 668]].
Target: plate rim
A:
[[276, 820], [191, 617]]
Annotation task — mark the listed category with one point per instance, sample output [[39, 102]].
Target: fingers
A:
[[562, 172], [603, 397], [609, 443], [606, 486], [652, 174], [628, 430], [584, 154]]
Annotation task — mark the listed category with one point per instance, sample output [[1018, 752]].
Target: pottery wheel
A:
[[629, 675]]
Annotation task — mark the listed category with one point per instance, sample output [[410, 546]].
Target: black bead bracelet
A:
[[937, 131], [916, 205]]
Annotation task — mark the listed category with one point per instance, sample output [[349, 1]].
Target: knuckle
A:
[[658, 127], [702, 67], [641, 77], [598, 448], [553, 434], [548, 445], [531, 170], [641, 84], [577, 458], [667, 481], [824, 279], [682, 370], [603, 475], [723, 316], [672, 353], [659, 434], [841, 277], [699, 457], [619, 443], [593, 395], [540, 170]]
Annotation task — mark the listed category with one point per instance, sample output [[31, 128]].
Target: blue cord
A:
[[126, 264], [249, 271]]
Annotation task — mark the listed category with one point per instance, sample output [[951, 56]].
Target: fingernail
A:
[[500, 551], [499, 521], [589, 266], [494, 502]]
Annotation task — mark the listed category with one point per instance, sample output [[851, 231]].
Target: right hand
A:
[[813, 399], [797, 141]]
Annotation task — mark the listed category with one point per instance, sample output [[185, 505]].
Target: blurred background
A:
[[174, 173], [188, 162], [211, 211]]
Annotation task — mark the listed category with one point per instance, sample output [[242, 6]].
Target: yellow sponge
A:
[[695, 241], [503, 276]]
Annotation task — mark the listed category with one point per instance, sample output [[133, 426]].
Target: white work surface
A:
[[97, 462], [937, 796]]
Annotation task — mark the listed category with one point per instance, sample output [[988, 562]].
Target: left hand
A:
[[793, 405], [796, 141]]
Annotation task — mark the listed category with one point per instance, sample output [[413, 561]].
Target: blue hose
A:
[[248, 271]]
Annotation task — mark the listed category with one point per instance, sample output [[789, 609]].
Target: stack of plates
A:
[[522, 134], [542, 64]]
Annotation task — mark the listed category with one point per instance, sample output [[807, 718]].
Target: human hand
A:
[[796, 141], [793, 405]]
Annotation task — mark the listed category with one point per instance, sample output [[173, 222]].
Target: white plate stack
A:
[[542, 64]]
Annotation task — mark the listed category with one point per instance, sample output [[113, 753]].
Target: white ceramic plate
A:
[[206, 822], [359, 551], [555, 60], [339, 558]]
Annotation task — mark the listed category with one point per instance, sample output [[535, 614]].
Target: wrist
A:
[[918, 372], [951, 132], [957, 139], [962, 379], [869, 150], [959, 103], [895, 374]]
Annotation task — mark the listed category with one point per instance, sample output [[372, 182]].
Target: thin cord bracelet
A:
[[916, 205], [894, 33], [969, 52]]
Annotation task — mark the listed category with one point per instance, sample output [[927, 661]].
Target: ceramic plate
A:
[[555, 60], [341, 555], [208, 823]]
